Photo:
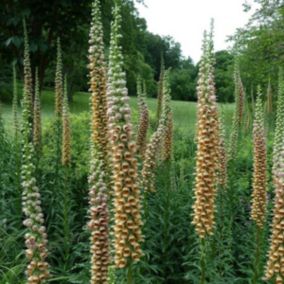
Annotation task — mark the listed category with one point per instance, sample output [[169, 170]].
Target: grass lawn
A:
[[184, 112]]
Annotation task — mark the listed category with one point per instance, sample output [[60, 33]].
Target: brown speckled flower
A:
[[168, 139], [156, 141], [98, 191], [35, 237], [99, 222], [275, 262], [222, 171], [160, 89], [127, 216], [37, 116], [97, 75], [207, 146], [58, 82], [259, 166], [66, 131], [141, 139]]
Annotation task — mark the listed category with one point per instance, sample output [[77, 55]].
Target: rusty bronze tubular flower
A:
[[141, 139], [66, 131], [239, 112], [160, 89], [258, 211], [15, 102], [97, 81], [156, 141], [168, 139], [275, 261], [127, 207], [59, 82], [28, 81], [99, 221], [223, 160], [279, 125], [35, 237], [98, 190], [37, 116], [207, 146], [269, 98]]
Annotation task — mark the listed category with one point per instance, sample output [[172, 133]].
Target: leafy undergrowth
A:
[[171, 248]]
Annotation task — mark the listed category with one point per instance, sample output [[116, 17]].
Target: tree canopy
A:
[[70, 20], [259, 45]]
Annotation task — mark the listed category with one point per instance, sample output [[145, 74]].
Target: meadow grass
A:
[[184, 112]]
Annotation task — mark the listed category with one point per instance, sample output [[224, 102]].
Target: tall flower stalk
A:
[[223, 158], [269, 98], [98, 191], [207, 147], [36, 237], [59, 89], [97, 74], [58, 109], [28, 82], [99, 221], [143, 126], [208, 142], [15, 106], [258, 210], [160, 89], [239, 112], [168, 139], [279, 126], [274, 265], [66, 131], [127, 225], [259, 168], [156, 141], [37, 116]]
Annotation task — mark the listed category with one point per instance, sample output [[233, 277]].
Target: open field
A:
[[184, 112]]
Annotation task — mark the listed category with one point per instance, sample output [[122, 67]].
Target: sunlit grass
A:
[[184, 112]]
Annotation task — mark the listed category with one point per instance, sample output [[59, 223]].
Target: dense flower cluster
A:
[[239, 112], [240, 97], [269, 99], [207, 146], [156, 141], [279, 128], [15, 105], [66, 131], [28, 82], [97, 69], [275, 263], [98, 191], [58, 82], [141, 139], [36, 238], [222, 171], [127, 226], [168, 139], [259, 166], [160, 89], [37, 116], [99, 222]]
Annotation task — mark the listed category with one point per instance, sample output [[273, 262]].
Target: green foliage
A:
[[223, 76], [259, 44], [170, 246], [183, 81]]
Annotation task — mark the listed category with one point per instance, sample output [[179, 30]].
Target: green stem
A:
[[66, 212], [130, 279], [257, 260], [202, 261]]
